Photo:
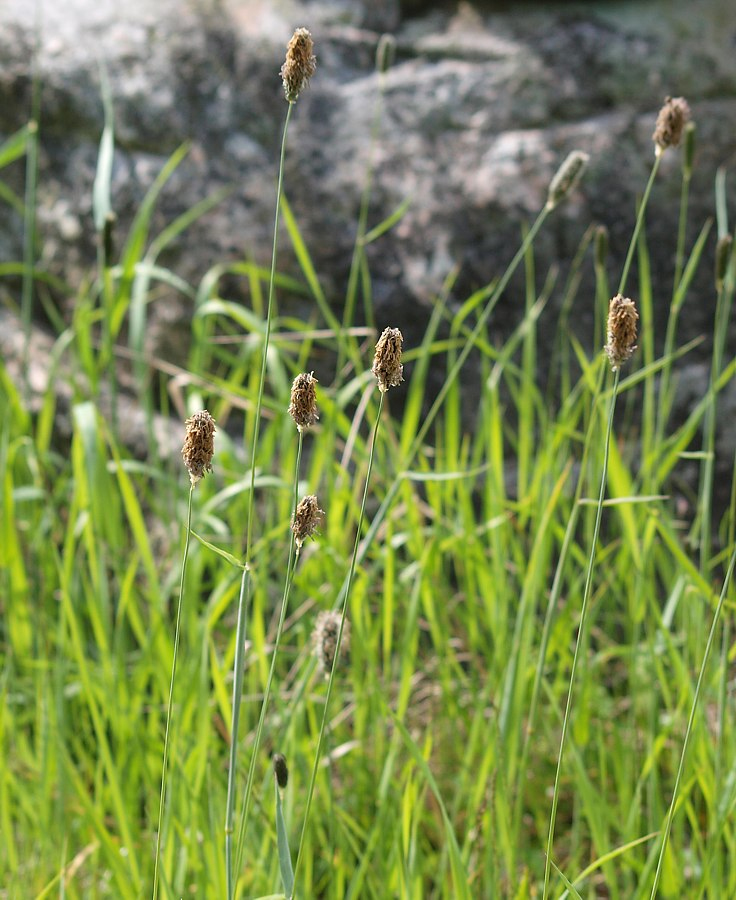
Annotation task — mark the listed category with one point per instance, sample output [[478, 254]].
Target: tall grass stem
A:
[[580, 636], [239, 661], [336, 658], [170, 705]]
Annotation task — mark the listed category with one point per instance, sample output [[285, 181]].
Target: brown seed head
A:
[[199, 445], [303, 406], [671, 121], [324, 639], [280, 769], [622, 317], [387, 362], [307, 519], [566, 177], [300, 64]]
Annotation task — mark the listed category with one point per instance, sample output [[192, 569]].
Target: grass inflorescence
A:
[[494, 650]]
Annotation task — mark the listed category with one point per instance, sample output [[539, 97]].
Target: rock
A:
[[479, 108]]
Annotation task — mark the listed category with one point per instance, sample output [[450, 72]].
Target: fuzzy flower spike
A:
[[307, 519], [300, 64], [324, 639], [387, 362], [622, 318], [199, 445], [671, 122], [303, 405]]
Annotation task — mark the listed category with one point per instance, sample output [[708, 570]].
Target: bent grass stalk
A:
[[177, 630], [690, 721], [239, 661], [338, 645]]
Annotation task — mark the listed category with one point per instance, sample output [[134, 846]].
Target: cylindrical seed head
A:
[[280, 769], [307, 519], [567, 177], [724, 249], [387, 362], [671, 122], [385, 53], [303, 405], [199, 445], [622, 318], [601, 246], [324, 639], [300, 64]]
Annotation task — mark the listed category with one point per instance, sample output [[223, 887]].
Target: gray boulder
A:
[[479, 108]]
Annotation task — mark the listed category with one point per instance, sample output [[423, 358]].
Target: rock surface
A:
[[481, 104]]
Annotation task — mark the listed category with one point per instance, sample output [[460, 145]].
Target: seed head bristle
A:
[[303, 405], [324, 639], [671, 122], [300, 64], [199, 445], [622, 318], [280, 770], [567, 177], [387, 362], [307, 519]]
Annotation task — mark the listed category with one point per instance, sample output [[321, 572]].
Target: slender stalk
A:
[[552, 605], [637, 226], [691, 719], [290, 570], [177, 630], [351, 575], [243, 603], [580, 635]]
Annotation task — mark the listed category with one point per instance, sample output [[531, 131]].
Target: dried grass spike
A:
[[307, 519], [387, 362], [324, 639], [303, 405], [199, 445], [622, 318], [300, 64], [671, 122]]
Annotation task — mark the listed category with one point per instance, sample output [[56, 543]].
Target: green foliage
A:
[[443, 731]]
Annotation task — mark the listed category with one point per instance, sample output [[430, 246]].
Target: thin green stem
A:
[[290, 570], [580, 636], [169, 708], [336, 657], [552, 603], [690, 721], [637, 226], [243, 601]]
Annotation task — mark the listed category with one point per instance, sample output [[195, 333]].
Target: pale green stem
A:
[[239, 662], [579, 638], [336, 657], [690, 721], [290, 570], [637, 226], [169, 708]]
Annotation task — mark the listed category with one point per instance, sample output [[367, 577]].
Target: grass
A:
[[463, 577]]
